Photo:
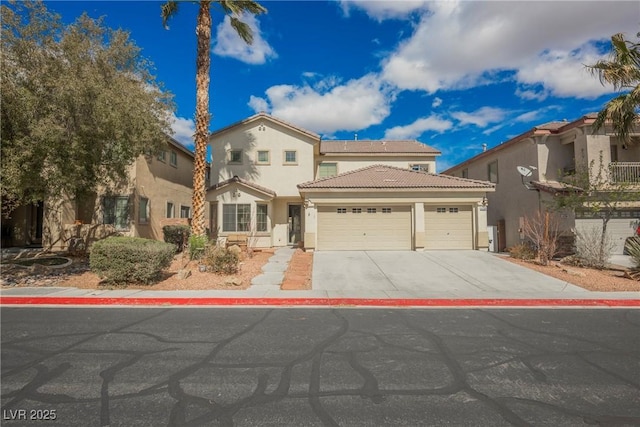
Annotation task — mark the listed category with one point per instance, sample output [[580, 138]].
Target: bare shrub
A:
[[543, 229], [593, 248], [522, 251]]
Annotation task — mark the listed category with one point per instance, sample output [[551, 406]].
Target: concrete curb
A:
[[321, 302]]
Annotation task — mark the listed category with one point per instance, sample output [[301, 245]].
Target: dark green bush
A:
[[221, 260], [177, 235], [122, 260]]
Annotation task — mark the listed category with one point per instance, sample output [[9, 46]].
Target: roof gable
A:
[[390, 177], [244, 183], [269, 118]]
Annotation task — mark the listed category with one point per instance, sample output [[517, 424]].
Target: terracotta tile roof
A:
[[243, 182], [552, 128], [390, 177], [554, 187], [376, 147], [263, 115]]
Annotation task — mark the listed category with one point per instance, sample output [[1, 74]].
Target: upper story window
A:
[[465, 173], [235, 157], [162, 156], [326, 170], [116, 212], [262, 157], [492, 172], [290, 157], [170, 210], [173, 159], [420, 167]]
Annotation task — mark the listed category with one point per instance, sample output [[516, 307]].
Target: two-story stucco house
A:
[[157, 191], [282, 185], [549, 151]]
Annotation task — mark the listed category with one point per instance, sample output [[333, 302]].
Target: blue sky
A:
[[452, 74]]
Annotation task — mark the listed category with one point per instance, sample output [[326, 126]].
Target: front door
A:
[[295, 224]]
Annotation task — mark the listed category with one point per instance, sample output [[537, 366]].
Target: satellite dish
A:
[[524, 171]]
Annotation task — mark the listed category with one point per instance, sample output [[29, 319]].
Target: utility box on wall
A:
[[492, 230]]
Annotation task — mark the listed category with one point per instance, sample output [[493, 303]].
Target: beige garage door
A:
[[364, 228], [448, 227]]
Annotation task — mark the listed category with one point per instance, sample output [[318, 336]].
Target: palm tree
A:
[[234, 9], [622, 70]]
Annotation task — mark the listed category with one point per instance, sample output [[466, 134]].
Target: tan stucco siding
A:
[[349, 163]]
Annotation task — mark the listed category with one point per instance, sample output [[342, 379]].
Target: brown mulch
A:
[[298, 274], [588, 278]]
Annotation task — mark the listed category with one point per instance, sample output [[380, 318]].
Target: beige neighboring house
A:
[[281, 185], [157, 192], [550, 151]]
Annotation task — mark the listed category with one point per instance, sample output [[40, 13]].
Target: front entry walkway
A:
[[441, 274]]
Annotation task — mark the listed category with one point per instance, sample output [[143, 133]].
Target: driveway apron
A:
[[442, 273]]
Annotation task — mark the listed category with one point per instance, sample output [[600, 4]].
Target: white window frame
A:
[[341, 210], [182, 209], [172, 213], [441, 210], [371, 210], [284, 157], [386, 210], [321, 164], [260, 229], [420, 167], [263, 162], [356, 210], [246, 223], [230, 159], [109, 218]]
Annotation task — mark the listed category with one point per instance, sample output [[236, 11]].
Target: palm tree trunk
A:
[[203, 64]]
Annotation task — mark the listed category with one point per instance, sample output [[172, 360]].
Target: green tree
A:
[[593, 189], [79, 104], [234, 9], [622, 70]]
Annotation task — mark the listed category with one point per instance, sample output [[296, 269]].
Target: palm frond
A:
[[168, 10], [243, 30]]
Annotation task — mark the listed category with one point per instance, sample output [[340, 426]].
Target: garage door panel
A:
[[365, 230], [617, 228], [448, 229]]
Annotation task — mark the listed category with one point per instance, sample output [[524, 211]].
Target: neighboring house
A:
[[157, 192], [281, 185], [550, 151]]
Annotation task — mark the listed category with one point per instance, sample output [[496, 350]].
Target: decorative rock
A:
[[573, 272], [183, 274], [38, 269], [235, 249], [233, 281]]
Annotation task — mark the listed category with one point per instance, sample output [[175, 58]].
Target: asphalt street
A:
[[319, 367]]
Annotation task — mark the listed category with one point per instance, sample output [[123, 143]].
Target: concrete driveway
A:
[[454, 274]]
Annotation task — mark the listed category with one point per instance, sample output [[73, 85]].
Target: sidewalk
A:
[[256, 296], [266, 291]]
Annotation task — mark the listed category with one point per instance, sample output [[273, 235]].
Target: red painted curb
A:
[[354, 302]]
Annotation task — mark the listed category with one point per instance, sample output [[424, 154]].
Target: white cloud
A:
[[183, 130], [461, 44], [562, 73], [228, 43], [258, 104], [381, 9], [417, 128], [436, 102], [481, 117], [327, 107]]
